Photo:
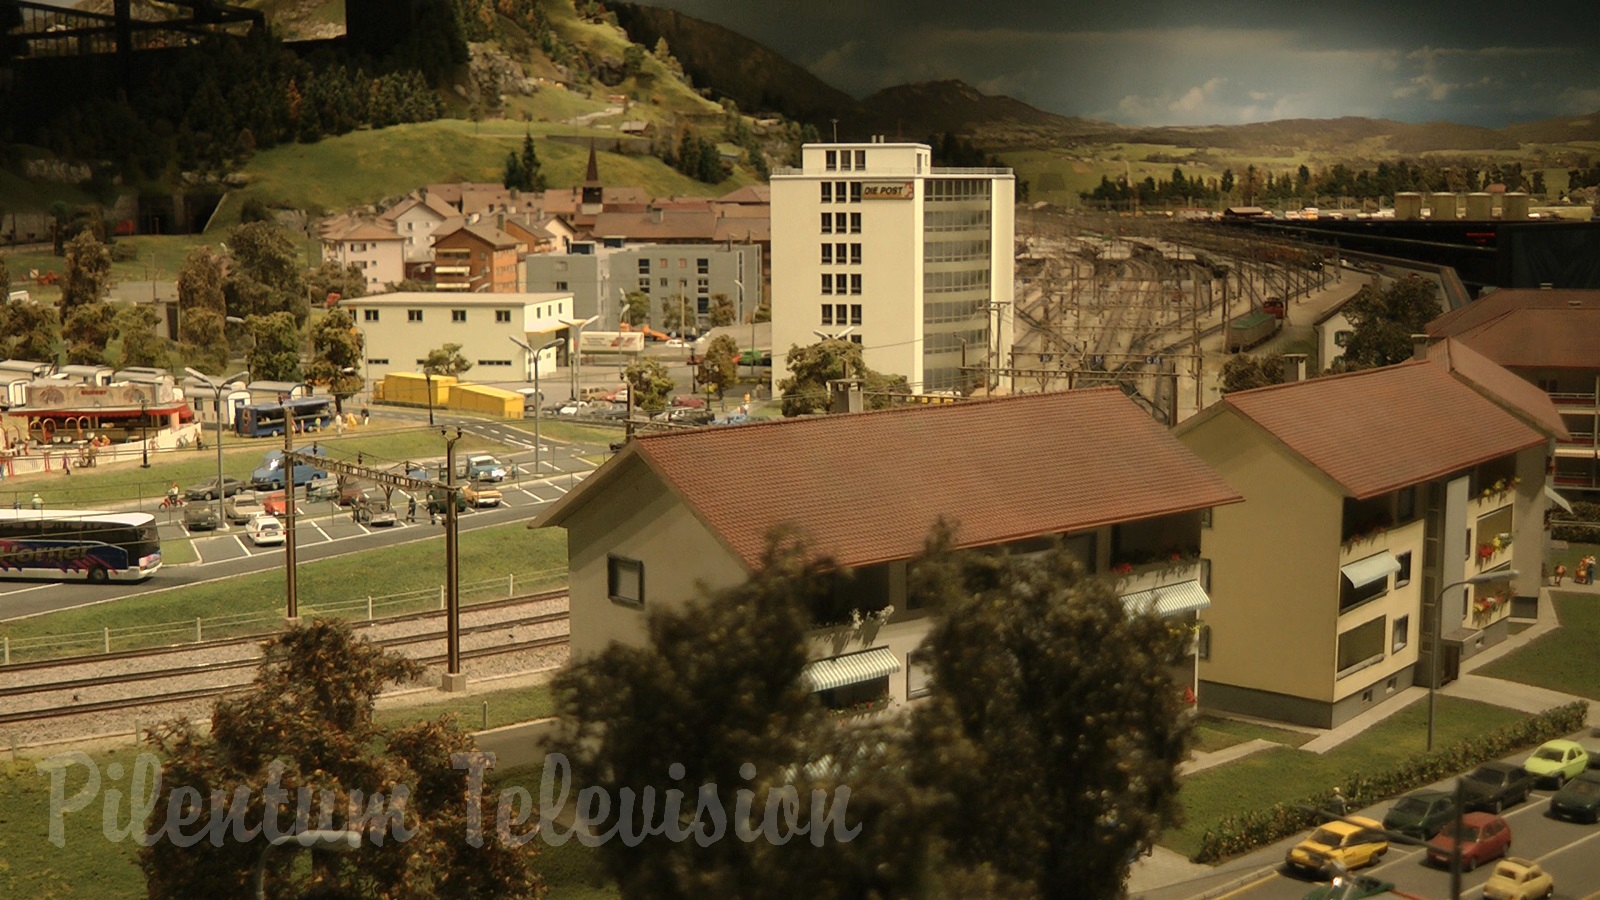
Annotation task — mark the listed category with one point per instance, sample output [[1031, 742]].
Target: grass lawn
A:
[[92, 867], [1214, 733], [506, 707], [538, 558], [1274, 776], [1570, 556], [1563, 660]]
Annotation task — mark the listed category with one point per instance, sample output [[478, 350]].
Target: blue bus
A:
[[78, 545], [264, 419]]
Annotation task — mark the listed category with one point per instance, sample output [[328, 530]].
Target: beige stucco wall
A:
[[638, 518], [1274, 565], [1401, 600]]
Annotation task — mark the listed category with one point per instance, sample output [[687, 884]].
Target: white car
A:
[[265, 531]]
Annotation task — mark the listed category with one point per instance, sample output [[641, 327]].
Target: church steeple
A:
[[591, 175], [593, 192]]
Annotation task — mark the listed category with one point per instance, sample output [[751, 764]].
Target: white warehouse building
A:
[[401, 328], [915, 263]]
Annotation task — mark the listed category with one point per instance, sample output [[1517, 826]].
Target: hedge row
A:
[[1237, 834]]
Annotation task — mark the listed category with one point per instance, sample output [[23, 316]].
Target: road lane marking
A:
[[1249, 887]]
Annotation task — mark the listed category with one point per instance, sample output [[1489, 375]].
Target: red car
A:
[[1483, 836], [274, 503]]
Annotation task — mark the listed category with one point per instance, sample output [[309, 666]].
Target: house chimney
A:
[[1294, 367], [845, 394], [1419, 346]]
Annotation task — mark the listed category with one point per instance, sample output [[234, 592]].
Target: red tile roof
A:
[[1529, 329], [1379, 430], [1515, 395], [866, 488]]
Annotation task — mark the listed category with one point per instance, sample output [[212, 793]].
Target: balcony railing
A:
[[1563, 398], [1148, 577]]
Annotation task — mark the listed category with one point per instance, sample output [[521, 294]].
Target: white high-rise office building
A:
[[912, 262]]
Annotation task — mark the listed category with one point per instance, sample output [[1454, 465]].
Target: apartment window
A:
[[1205, 517], [839, 251], [855, 254], [827, 283], [861, 159], [702, 266], [1202, 642], [458, 315], [369, 315], [855, 314], [827, 192], [703, 285], [855, 284], [494, 362], [855, 223], [625, 580], [838, 223], [561, 286], [502, 315], [827, 313], [663, 282], [827, 254], [855, 192], [644, 267], [665, 265], [413, 315], [1402, 633], [840, 191], [1351, 596], [919, 679], [831, 160], [1361, 646], [827, 223], [855, 339], [1403, 577], [839, 313], [683, 263], [644, 285], [378, 362]]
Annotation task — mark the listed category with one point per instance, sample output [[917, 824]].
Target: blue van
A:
[[269, 476]]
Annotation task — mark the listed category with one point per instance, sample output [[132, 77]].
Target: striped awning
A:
[[1363, 572], [1556, 498], [1167, 600], [853, 668]]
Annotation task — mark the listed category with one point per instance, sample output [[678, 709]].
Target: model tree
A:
[[265, 275], [1384, 320], [446, 360], [337, 357], [720, 366], [28, 330], [275, 354], [306, 723], [636, 308], [648, 383], [812, 366], [135, 329]]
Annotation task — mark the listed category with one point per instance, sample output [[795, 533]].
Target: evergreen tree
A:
[[533, 179], [514, 177]]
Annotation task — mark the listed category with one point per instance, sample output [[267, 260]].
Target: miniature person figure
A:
[[1338, 802], [1561, 572], [37, 502], [365, 416], [411, 510]]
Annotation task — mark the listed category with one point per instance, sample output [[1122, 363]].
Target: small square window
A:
[[1403, 577], [369, 315], [625, 580], [458, 315], [413, 315], [502, 315]]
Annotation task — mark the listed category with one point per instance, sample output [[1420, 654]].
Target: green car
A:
[[437, 501], [1579, 800], [1422, 814], [1350, 887], [1559, 761]]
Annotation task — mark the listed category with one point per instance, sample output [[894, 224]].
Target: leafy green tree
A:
[[337, 356], [636, 308], [275, 354], [715, 697], [330, 278], [720, 366], [812, 366], [202, 336], [1055, 727], [446, 360], [1385, 319], [676, 313], [135, 329], [304, 733], [5, 280], [722, 311], [648, 383], [1242, 372], [87, 330], [633, 60], [265, 276], [28, 330], [86, 275], [205, 340]]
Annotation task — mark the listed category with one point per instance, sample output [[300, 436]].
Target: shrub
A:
[[1233, 835]]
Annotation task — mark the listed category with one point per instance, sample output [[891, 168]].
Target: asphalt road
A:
[[322, 530], [1568, 851]]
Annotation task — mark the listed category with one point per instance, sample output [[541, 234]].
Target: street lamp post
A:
[[1438, 635], [315, 839], [428, 376], [538, 395], [144, 427], [216, 389], [577, 355]]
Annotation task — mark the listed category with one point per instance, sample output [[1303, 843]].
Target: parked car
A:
[[481, 497], [437, 500], [241, 507], [1350, 845], [323, 489], [1422, 814], [484, 468], [1578, 799], [269, 474], [1494, 786], [1350, 887], [685, 415], [351, 492], [200, 517], [207, 490], [274, 504], [1481, 836], [1557, 761], [375, 511], [264, 531], [1515, 878]]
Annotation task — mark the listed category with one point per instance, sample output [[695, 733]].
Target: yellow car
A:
[[1350, 845], [1516, 878]]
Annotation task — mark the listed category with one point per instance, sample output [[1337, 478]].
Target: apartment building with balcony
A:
[[375, 249], [1367, 496], [914, 263], [674, 514], [476, 259], [1551, 339]]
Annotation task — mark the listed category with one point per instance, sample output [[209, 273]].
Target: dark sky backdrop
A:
[[1484, 62]]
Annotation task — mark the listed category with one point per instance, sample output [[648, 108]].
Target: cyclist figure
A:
[[173, 497]]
